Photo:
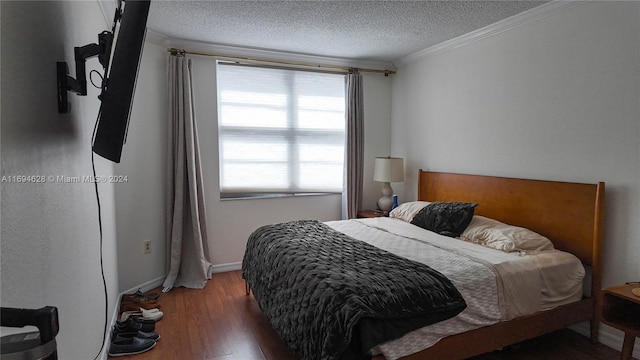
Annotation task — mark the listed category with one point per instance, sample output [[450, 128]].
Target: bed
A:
[[570, 214]]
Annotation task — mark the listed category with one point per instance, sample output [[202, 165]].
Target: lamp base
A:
[[386, 202]]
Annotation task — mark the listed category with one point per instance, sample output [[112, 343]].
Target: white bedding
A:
[[496, 285]]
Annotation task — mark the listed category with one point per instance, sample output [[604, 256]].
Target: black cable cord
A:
[[104, 280], [95, 183], [101, 87]]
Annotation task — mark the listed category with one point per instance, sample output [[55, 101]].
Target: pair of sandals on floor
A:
[[142, 305]]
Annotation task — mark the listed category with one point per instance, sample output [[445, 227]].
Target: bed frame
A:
[[570, 214]]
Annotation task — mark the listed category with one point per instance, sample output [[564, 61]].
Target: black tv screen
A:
[[120, 82]]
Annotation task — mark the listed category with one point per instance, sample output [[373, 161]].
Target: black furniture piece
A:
[[39, 344]]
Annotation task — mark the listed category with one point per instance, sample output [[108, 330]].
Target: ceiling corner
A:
[[539, 12]]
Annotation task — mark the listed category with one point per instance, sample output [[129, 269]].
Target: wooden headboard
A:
[[571, 215]]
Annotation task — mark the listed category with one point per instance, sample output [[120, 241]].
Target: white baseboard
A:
[[104, 355], [607, 336], [152, 284], [227, 267], [149, 285]]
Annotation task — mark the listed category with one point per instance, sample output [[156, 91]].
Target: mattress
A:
[[496, 285]]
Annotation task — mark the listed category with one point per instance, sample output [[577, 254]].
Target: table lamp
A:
[[387, 170]]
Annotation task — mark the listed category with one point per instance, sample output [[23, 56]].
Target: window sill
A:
[[231, 197]]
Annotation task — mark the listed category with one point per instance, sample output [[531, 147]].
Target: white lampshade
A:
[[388, 169]]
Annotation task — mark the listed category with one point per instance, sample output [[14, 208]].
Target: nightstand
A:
[[621, 309], [369, 214]]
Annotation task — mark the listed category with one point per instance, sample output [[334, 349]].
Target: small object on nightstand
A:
[[621, 309], [369, 214]]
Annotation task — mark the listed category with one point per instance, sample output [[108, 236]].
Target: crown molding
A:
[[157, 38], [199, 46], [539, 12]]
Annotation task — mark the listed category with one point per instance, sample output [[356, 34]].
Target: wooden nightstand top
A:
[[370, 213], [624, 291]]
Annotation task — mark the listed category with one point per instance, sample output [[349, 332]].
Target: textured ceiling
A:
[[364, 30]]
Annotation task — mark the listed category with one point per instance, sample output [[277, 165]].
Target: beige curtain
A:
[[354, 146], [188, 255]]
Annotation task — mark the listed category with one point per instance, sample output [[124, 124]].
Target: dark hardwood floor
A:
[[220, 322]]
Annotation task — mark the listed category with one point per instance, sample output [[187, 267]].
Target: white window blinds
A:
[[280, 131]]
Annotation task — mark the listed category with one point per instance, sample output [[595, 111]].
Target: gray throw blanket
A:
[[330, 296]]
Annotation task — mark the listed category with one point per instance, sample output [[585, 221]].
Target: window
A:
[[280, 131]]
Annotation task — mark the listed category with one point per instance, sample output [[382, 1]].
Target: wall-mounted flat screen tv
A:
[[120, 81]]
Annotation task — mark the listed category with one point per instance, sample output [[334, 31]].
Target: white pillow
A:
[[508, 238], [406, 211]]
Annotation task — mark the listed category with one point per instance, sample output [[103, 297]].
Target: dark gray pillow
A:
[[445, 218]]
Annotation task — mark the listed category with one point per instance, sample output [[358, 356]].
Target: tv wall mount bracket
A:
[[78, 85]]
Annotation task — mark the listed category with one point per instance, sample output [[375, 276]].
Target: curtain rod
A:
[[175, 51], [281, 67]]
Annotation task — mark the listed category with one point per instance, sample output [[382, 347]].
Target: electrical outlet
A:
[[147, 246]]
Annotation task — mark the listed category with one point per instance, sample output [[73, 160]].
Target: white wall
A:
[[557, 98], [232, 221], [141, 202], [50, 241], [377, 133]]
